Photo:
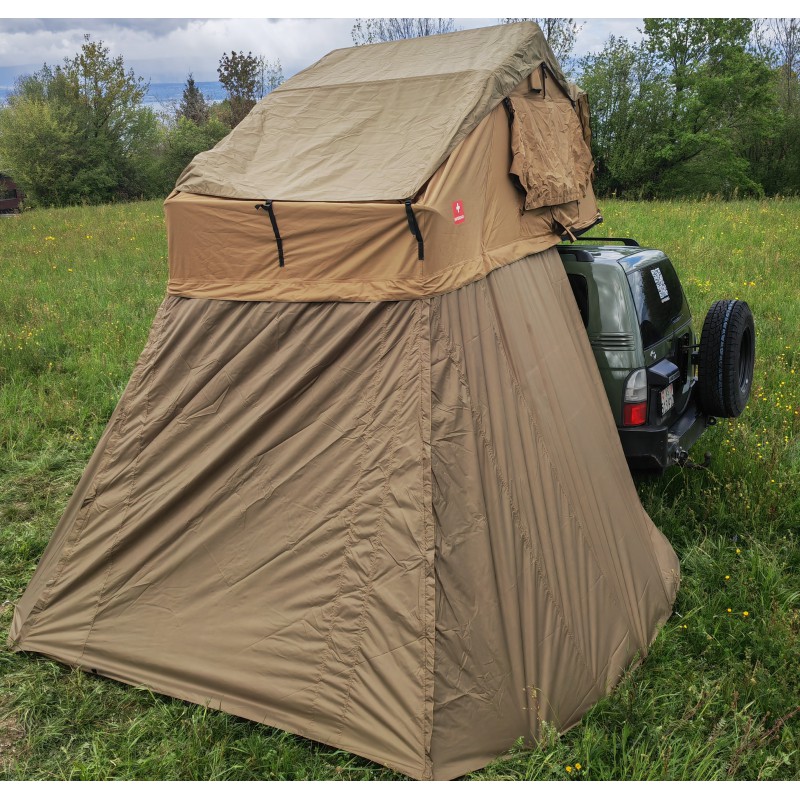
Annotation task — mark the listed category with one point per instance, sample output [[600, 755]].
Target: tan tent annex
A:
[[364, 484]]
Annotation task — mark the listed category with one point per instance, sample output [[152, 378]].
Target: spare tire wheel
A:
[[727, 357]]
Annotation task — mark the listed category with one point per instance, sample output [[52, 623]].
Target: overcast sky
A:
[[165, 50]]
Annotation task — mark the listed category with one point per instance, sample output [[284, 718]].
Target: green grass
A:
[[719, 693]]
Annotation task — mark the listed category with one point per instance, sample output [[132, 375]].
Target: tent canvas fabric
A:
[[374, 122], [399, 524], [360, 248]]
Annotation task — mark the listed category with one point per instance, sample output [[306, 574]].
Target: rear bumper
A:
[[657, 447]]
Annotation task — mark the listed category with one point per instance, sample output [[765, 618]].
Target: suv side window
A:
[[580, 288]]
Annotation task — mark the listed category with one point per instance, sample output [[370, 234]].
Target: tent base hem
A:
[[177, 691]]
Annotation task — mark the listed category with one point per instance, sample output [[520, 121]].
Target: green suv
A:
[[664, 387]]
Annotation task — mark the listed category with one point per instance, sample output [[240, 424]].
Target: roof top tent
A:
[[364, 484]]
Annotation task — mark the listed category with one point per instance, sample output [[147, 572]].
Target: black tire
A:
[[727, 358]]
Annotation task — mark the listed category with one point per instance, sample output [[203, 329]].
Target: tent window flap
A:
[[550, 157]]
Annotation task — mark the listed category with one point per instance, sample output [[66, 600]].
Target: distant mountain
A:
[[161, 97], [169, 94]]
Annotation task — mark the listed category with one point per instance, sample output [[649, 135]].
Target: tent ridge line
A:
[[425, 319], [433, 37]]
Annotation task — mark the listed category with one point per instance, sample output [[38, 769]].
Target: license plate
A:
[[667, 399]]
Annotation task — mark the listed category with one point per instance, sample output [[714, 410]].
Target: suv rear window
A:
[[658, 299]]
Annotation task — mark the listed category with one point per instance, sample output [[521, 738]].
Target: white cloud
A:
[[595, 32], [168, 49]]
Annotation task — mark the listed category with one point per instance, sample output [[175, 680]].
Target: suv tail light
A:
[[634, 406]]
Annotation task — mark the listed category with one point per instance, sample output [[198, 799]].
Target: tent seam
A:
[[573, 513], [82, 519], [518, 523], [368, 402], [376, 541], [429, 582], [126, 505]]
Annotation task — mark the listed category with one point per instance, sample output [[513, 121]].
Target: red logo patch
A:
[[458, 212]]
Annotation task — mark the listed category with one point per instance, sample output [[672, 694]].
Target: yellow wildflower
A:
[[568, 768], [578, 766], [745, 613]]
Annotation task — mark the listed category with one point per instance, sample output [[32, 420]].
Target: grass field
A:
[[718, 696]]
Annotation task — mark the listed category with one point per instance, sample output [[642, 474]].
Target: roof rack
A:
[[626, 242], [580, 253]]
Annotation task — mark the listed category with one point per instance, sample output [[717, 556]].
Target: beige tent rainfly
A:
[[364, 484]]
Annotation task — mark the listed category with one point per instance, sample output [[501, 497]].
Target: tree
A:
[[111, 96], [38, 147], [197, 128], [270, 75], [239, 74], [720, 99], [683, 45], [678, 114], [369, 31], [778, 41], [776, 156], [561, 34], [246, 78], [629, 100], [193, 105], [183, 142], [103, 140]]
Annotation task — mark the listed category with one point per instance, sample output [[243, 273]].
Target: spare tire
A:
[[727, 357]]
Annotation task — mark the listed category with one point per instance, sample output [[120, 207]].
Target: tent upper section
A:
[[371, 123]]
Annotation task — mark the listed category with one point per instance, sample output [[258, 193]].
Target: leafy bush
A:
[[79, 132], [183, 142]]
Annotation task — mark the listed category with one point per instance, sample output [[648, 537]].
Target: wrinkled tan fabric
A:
[[340, 147], [365, 251], [254, 530], [552, 159], [519, 410], [582, 108], [405, 529], [373, 122]]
